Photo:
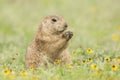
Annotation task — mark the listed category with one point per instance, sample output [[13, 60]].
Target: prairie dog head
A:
[[54, 24]]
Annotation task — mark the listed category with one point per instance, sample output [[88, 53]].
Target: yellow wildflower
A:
[[23, 73], [115, 37], [118, 59], [83, 62], [11, 71], [74, 52], [89, 50], [114, 67], [94, 67], [57, 61], [108, 59], [32, 68], [90, 60], [6, 72]]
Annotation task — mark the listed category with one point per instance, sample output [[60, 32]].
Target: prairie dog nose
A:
[[65, 25]]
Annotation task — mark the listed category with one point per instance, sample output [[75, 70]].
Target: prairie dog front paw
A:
[[68, 35]]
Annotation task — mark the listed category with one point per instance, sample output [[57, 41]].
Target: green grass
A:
[[93, 22]]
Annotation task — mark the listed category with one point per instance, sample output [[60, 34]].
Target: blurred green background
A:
[[95, 24]]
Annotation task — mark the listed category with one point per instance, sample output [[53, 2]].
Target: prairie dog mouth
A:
[[64, 29]]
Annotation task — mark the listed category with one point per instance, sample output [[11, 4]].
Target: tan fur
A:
[[50, 43]]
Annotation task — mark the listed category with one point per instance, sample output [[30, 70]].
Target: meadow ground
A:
[[95, 46]]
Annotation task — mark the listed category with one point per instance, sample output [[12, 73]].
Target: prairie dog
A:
[[50, 43]]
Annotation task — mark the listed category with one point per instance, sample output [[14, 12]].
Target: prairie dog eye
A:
[[54, 20]]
